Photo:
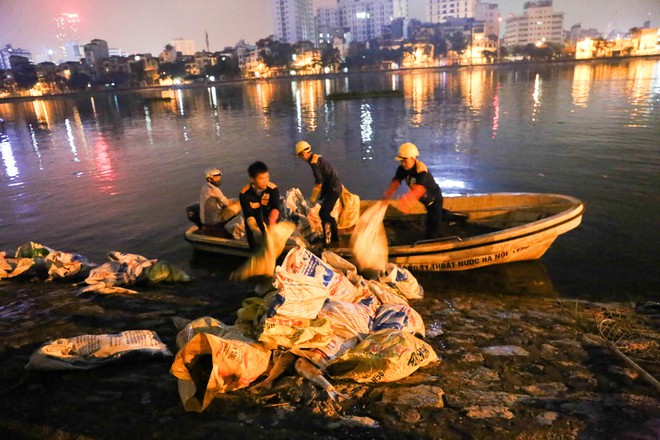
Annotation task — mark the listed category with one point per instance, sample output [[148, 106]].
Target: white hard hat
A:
[[212, 172], [407, 150], [301, 147]]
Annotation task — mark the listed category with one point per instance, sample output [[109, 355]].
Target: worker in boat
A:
[[214, 208], [327, 187], [423, 187], [260, 201]]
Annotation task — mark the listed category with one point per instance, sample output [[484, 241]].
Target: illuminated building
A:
[[8, 51], [489, 13], [73, 51], [67, 26], [294, 20], [538, 24], [440, 10], [186, 47], [367, 19], [95, 51]]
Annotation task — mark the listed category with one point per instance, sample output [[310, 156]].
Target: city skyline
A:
[[148, 25]]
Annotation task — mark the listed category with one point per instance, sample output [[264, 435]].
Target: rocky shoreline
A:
[[513, 366]]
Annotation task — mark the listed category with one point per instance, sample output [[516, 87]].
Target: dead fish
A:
[[307, 370], [283, 363]]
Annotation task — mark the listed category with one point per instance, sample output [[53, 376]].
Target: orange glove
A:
[[273, 216], [405, 202]]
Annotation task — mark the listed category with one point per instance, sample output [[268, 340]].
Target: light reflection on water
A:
[[94, 174]]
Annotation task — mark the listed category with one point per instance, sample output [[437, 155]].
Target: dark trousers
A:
[[434, 219], [329, 200]]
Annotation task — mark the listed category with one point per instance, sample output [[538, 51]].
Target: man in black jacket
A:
[[327, 187], [260, 202]]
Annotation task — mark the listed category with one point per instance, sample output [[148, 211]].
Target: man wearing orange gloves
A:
[[423, 187]]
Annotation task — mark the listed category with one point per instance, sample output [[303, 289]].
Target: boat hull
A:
[[529, 240]]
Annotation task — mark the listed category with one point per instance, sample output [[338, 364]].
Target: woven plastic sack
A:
[[299, 296], [162, 271], [383, 356], [403, 280], [209, 365], [282, 331], [89, 351], [206, 324], [399, 317], [301, 261], [350, 212], [369, 240], [13, 267], [386, 294], [348, 320], [262, 261], [324, 355]]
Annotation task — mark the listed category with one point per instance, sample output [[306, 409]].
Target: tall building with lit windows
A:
[[489, 13], [438, 11], [366, 19], [294, 20], [66, 32], [538, 24]]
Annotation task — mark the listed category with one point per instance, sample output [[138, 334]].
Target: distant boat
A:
[[483, 229], [361, 95]]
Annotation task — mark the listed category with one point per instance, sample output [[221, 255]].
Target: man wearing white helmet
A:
[[327, 187], [214, 207], [423, 187]]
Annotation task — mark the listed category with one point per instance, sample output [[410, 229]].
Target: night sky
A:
[[140, 26]]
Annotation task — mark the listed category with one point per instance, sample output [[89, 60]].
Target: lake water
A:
[[113, 172]]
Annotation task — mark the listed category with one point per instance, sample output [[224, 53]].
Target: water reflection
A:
[[473, 84], [537, 97], [8, 156], [496, 113], [418, 88], [582, 77], [72, 141], [366, 131], [105, 172], [477, 129], [35, 146]]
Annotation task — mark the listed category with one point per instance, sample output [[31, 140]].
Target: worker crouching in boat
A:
[[327, 187], [423, 187], [260, 201], [214, 208]]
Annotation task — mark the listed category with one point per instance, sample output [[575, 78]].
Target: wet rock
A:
[[549, 349], [623, 372], [421, 396], [434, 329], [477, 377], [468, 397], [582, 379], [582, 409], [353, 422], [146, 398], [488, 412], [408, 415], [505, 350], [472, 357], [546, 389], [547, 418], [453, 341]]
